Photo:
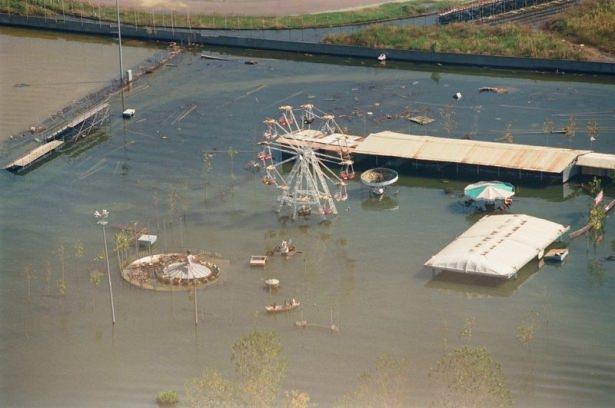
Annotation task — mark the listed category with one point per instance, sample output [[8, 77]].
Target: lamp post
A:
[[119, 40], [102, 221]]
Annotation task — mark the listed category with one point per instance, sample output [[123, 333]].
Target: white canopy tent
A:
[[498, 245]]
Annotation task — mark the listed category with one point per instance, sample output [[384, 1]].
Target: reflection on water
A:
[[478, 286], [385, 203], [41, 72], [365, 267]]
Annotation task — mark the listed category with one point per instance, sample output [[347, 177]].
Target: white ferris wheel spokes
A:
[[306, 188]]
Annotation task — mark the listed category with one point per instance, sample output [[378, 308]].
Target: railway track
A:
[[532, 16]]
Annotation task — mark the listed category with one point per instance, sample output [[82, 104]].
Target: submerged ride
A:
[[379, 179], [311, 187], [169, 270]]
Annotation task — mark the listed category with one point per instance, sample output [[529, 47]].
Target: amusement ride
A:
[[312, 142]]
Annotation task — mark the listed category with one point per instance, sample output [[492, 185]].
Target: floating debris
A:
[[147, 240], [128, 113], [458, 95], [382, 57], [251, 62], [212, 57], [258, 260], [421, 120], [497, 90], [556, 254]]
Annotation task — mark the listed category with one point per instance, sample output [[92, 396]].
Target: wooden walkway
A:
[[33, 156]]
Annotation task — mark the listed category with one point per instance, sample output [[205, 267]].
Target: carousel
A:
[[170, 271]]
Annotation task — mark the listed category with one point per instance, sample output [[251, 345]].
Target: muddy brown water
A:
[[41, 72], [364, 268]]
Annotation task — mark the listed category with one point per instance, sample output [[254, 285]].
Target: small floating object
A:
[[333, 328], [212, 57], [251, 62], [272, 283], [421, 120], [147, 240], [458, 95], [258, 260], [129, 113], [382, 57], [495, 89], [286, 248], [288, 305], [556, 255]]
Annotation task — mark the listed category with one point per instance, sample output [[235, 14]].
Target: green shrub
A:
[[592, 22], [167, 398], [463, 38]]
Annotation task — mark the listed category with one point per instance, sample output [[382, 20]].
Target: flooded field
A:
[[58, 347], [42, 71]]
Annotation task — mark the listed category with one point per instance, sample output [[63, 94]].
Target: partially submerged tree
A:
[[386, 385], [259, 366], [259, 369], [469, 377], [297, 399]]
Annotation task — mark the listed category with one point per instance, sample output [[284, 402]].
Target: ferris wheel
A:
[[310, 141]]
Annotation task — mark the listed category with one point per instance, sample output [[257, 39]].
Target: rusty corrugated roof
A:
[[597, 160], [439, 149]]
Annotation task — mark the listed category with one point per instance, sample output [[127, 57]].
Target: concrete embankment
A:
[[209, 38]]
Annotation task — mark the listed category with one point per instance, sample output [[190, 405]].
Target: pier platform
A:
[[34, 156], [507, 160]]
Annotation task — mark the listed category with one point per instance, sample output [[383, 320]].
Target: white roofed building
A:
[[498, 245]]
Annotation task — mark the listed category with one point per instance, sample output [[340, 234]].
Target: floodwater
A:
[[364, 268], [42, 71]]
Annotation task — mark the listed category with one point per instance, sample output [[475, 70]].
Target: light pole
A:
[[119, 40], [102, 221]]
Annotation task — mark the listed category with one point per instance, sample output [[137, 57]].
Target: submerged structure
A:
[[311, 186], [497, 245], [167, 271], [379, 179], [475, 157], [60, 135], [470, 158]]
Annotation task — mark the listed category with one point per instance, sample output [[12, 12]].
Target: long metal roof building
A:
[[498, 245], [474, 152]]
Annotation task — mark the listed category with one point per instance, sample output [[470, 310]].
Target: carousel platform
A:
[[171, 271]]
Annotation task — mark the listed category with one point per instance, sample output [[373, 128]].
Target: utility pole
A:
[[102, 220], [119, 39], [196, 310]]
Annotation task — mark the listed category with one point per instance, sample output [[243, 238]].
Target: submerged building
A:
[[498, 245]]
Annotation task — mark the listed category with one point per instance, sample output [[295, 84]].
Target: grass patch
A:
[[167, 398], [463, 38], [592, 22], [183, 19]]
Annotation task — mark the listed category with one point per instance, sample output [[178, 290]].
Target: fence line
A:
[[209, 37]]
